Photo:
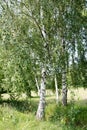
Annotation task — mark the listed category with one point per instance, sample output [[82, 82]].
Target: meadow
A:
[[20, 114]]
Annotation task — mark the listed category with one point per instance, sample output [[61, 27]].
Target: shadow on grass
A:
[[23, 106], [31, 105]]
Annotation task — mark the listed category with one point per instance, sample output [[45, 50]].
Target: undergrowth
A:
[[20, 115], [70, 117]]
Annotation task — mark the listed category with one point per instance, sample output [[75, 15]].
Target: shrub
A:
[[70, 115], [81, 117], [49, 111]]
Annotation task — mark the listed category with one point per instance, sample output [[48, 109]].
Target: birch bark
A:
[[37, 85], [41, 107], [56, 88], [64, 88], [64, 84]]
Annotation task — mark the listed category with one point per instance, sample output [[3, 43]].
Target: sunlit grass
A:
[[11, 119], [20, 115]]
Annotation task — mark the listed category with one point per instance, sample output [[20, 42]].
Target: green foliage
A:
[[15, 115], [69, 116], [23, 47], [49, 111]]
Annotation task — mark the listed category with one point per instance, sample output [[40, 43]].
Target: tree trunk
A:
[[56, 88], [64, 88], [37, 85], [41, 107], [64, 61]]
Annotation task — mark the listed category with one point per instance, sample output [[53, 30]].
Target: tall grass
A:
[[12, 118], [71, 117], [20, 115]]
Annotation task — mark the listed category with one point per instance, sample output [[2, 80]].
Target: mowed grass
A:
[[20, 115]]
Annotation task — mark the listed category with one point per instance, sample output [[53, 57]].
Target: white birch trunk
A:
[[64, 84], [37, 85], [64, 88], [41, 107], [56, 88]]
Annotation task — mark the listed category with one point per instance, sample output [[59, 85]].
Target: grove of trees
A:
[[43, 45]]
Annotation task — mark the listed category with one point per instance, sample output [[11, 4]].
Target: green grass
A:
[[20, 115], [72, 117], [12, 119]]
